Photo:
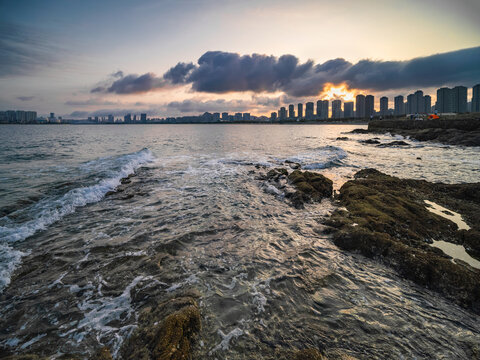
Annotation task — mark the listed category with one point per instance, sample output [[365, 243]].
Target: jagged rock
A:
[[310, 187], [394, 143], [359, 131], [342, 138], [370, 141], [166, 331]]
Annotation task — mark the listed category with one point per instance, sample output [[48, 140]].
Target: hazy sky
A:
[[91, 57]]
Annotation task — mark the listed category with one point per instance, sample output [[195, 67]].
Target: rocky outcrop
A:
[[166, 331], [298, 187], [448, 131], [386, 219]]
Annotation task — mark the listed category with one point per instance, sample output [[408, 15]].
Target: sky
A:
[[183, 57]]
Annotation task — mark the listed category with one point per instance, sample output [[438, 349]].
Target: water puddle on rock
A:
[[453, 250], [457, 252], [447, 214]]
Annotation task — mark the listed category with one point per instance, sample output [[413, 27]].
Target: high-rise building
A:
[[216, 116], [418, 102], [348, 109], [383, 106], [428, 104], [282, 113], [291, 111], [309, 110], [246, 116], [476, 98], [324, 110], [360, 106], [459, 94], [300, 111], [336, 109], [143, 118], [30, 117], [319, 109], [238, 117], [399, 105], [369, 106], [444, 100], [225, 116], [273, 116], [410, 106]]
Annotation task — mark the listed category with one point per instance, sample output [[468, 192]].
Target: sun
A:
[[334, 92]]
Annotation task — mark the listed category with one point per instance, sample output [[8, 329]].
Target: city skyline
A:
[[118, 59]]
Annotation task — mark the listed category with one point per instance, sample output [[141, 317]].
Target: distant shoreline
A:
[[216, 123]]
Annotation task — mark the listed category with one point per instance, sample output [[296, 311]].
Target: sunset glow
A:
[[337, 92]]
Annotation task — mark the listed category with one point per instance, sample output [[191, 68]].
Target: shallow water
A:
[[195, 217]]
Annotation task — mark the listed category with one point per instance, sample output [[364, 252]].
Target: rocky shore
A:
[[464, 132], [386, 218]]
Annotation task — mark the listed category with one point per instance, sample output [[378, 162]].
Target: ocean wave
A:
[[49, 210], [323, 157]]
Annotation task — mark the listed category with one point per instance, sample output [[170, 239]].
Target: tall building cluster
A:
[[18, 117]]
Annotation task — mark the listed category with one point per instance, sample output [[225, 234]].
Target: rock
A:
[[359, 131], [310, 187], [293, 165], [102, 354], [342, 138], [394, 143], [393, 225], [370, 141], [166, 331], [274, 174], [308, 354]]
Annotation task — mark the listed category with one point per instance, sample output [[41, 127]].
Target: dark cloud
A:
[[25, 98], [131, 84], [224, 72], [24, 50], [178, 73]]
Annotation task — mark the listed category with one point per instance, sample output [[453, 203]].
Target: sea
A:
[[98, 220]]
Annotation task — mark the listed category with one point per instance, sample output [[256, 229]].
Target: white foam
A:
[[9, 260], [50, 210], [32, 341], [322, 158], [192, 279], [226, 338], [99, 313]]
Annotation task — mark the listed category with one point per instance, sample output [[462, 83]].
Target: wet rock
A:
[[387, 220], [342, 138], [310, 186], [102, 354], [370, 141], [359, 131], [394, 143], [274, 174], [293, 165], [309, 354], [166, 331], [456, 131]]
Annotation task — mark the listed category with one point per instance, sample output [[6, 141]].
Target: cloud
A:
[[221, 72], [131, 84], [178, 73], [90, 102], [25, 98], [24, 50]]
